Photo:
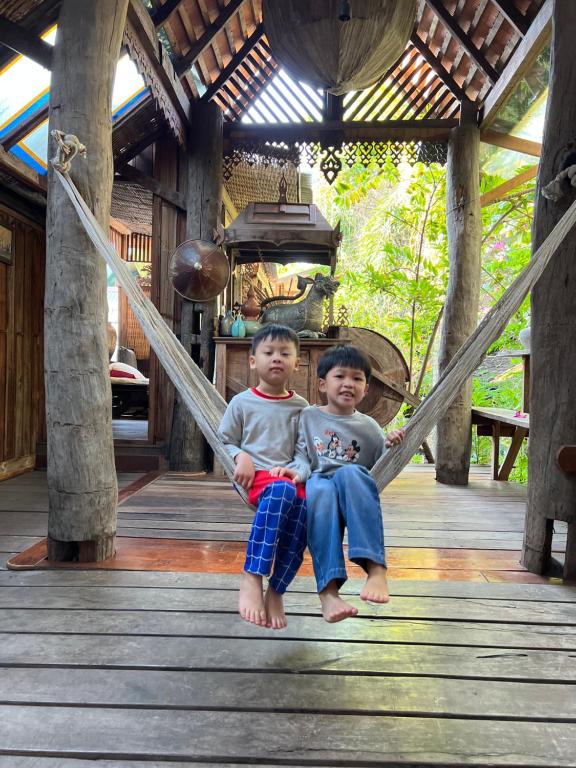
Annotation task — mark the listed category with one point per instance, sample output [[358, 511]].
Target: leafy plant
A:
[[394, 265]]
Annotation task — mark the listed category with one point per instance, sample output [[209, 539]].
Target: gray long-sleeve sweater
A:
[[265, 428], [330, 441]]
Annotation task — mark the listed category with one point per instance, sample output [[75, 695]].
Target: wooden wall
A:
[[168, 231], [21, 346]]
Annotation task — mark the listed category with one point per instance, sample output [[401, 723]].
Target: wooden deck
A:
[[137, 669]]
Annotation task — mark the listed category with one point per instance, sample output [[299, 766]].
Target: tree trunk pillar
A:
[[551, 492], [188, 448], [464, 222], [81, 473]]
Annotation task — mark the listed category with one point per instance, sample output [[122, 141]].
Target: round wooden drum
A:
[[383, 400]]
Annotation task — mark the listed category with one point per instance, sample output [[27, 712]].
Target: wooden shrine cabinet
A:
[[233, 374]]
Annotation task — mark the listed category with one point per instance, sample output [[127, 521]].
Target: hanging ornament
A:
[[338, 45]]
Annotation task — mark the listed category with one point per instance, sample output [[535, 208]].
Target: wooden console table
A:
[[233, 374]]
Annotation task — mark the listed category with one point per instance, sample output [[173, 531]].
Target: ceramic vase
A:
[[238, 328], [252, 327], [226, 323]]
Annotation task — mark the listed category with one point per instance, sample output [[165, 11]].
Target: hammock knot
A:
[[68, 147], [558, 187]]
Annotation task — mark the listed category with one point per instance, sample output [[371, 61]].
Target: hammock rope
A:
[[470, 355], [201, 398], [206, 404]]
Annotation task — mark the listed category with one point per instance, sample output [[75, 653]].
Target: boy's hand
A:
[[290, 474], [244, 472], [395, 437]]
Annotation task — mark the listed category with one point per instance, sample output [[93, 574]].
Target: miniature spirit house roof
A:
[[283, 233]]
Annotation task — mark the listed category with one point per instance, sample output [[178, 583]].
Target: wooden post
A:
[[81, 473], [551, 492], [463, 214], [188, 449]]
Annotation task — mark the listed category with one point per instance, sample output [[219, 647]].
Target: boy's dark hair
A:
[[275, 333], [343, 356]]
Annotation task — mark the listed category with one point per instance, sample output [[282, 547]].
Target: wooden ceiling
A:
[[458, 50], [219, 49]]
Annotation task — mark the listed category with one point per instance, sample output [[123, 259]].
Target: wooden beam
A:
[[24, 128], [436, 63], [161, 15], [234, 63], [14, 467], [500, 192], [183, 64], [156, 68], [515, 143], [383, 130], [36, 22], [457, 32], [513, 16], [20, 41], [520, 62], [131, 174], [18, 168], [121, 160]]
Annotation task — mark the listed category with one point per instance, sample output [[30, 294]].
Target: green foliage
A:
[[394, 264]]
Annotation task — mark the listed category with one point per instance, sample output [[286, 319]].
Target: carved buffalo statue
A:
[[305, 316]]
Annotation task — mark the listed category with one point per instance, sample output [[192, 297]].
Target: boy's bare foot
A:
[[376, 588], [251, 601], [274, 603], [333, 607]]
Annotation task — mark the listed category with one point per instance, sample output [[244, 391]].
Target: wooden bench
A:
[[497, 423]]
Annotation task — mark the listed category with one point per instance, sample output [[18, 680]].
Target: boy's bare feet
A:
[[251, 602], [274, 603], [333, 607], [376, 588]]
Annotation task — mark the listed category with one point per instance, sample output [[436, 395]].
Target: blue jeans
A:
[[278, 536], [346, 498]]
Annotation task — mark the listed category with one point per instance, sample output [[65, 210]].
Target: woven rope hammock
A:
[[207, 406]]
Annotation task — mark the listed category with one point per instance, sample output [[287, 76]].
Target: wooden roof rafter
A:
[[235, 62], [206, 38], [451, 23], [265, 76], [22, 130], [436, 63], [520, 61], [20, 41], [513, 16], [35, 23]]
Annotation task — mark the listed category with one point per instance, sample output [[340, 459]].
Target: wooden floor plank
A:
[[17, 543], [237, 654], [294, 738], [304, 628], [223, 581], [70, 762], [288, 693], [137, 669], [125, 598]]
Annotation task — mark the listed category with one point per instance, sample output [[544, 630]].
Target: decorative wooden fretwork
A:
[[140, 57], [330, 158]]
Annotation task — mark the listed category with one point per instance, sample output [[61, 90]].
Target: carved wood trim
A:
[[148, 69]]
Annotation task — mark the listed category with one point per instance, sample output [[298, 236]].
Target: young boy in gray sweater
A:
[[259, 430], [342, 445]]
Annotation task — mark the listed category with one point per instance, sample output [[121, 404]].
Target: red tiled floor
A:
[[228, 557]]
